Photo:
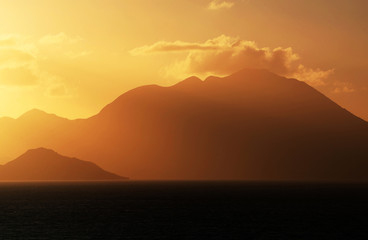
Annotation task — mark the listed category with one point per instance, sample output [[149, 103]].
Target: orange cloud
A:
[[343, 87], [315, 77], [177, 46], [224, 55], [216, 5]]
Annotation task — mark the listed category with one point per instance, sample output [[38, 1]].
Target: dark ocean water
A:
[[183, 210]]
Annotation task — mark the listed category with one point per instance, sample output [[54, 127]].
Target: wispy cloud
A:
[[22, 58], [177, 46], [7, 40], [343, 87], [18, 61], [21, 76], [59, 39], [217, 4], [57, 90]]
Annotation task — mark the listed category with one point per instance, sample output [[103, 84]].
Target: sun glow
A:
[[74, 65]]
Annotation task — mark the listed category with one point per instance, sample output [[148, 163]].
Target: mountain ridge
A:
[[191, 80], [251, 125]]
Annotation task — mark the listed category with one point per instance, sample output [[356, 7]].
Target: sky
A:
[[71, 58]]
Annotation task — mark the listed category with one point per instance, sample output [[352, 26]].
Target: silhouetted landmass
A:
[[251, 125], [46, 165]]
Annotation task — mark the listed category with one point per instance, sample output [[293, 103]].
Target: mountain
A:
[[251, 125], [31, 130], [46, 165]]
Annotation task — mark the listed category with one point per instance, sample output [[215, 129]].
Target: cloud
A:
[[55, 86], [218, 43], [59, 45], [57, 90], [315, 77], [59, 38], [21, 76], [8, 40], [22, 59], [178, 46], [12, 57], [18, 66], [343, 87], [224, 55], [216, 5]]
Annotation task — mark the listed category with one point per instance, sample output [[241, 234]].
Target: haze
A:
[[71, 58]]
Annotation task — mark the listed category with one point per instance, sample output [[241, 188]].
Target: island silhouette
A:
[[251, 125], [46, 165]]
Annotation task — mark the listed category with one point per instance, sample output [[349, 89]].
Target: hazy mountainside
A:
[[43, 164], [31, 130], [250, 125]]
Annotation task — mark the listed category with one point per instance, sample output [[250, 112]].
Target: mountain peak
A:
[[41, 150], [37, 114], [189, 82], [33, 113], [39, 153]]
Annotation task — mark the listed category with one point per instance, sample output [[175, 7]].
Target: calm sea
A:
[[183, 210]]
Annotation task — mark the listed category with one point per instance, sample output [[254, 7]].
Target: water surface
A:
[[183, 210]]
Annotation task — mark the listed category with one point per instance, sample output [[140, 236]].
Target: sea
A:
[[183, 210]]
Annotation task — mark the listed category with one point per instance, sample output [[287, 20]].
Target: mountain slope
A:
[[46, 165], [31, 130], [251, 125]]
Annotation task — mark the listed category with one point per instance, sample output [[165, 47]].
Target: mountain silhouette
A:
[[46, 165], [251, 125]]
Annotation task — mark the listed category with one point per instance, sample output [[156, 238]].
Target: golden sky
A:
[[71, 58]]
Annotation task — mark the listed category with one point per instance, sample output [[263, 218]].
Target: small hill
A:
[[46, 165]]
